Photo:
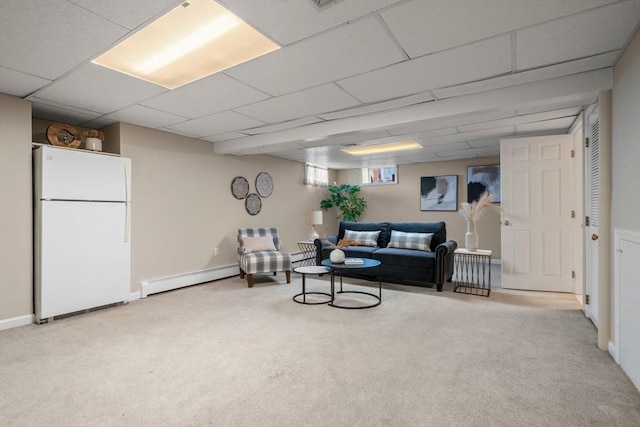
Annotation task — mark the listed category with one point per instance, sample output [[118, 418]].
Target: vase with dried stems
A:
[[337, 255], [471, 212]]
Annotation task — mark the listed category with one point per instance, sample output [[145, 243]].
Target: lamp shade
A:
[[314, 218]]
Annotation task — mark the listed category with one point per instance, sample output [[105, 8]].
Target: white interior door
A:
[[536, 213], [592, 220]]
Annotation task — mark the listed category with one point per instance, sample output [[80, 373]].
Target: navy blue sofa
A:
[[403, 266]]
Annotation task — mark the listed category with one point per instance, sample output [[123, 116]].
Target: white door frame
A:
[[578, 194]]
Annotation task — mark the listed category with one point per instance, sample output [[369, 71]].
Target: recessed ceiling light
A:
[[192, 41], [382, 148]]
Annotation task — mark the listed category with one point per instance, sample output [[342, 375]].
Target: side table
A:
[[472, 271], [311, 270], [308, 250], [339, 268]]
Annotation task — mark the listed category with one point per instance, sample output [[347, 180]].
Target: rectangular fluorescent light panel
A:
[[363, 150], [192, 41]]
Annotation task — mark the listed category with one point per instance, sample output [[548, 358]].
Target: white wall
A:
[[16, 282], [625, 173], [182, 206], [626, 139]]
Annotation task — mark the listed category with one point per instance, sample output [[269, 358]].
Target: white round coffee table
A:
[[311, 269]]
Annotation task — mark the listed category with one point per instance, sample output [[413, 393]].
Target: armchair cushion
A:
[[256, 244]]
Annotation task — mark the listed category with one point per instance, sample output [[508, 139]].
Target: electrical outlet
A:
[[215, 252]]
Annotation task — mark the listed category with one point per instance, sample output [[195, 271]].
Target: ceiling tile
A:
[[306, 102], [379, 106], [468, 136], [19, 84], [345, 51], [214, 124], [484, 143], [549, 72], [59, 114], [92, 88], [578, 102], [432, 125], [281, 126], [210, 95], [561, 124], [129, 14], [302, 18], [27, 44], [145, 116], [332, 142], [421, 31], [591, 33], [225, 136], [522, 119], [98, 123], [471, 62]]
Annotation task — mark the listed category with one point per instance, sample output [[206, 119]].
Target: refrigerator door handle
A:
[[127, 205], [127, 184]]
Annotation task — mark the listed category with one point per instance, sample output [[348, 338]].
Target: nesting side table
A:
[[308, 250], [472, 271], [312, 269]]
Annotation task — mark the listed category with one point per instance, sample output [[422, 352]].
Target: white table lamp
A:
[[314, 218]]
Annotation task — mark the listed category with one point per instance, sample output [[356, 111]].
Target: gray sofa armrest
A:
[[320, 246], [444, 263]]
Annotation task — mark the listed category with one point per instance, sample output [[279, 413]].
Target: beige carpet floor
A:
[[221, 354]]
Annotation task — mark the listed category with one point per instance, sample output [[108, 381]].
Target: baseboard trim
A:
[[163, 284], [134, 296], [14, 322], [613, 352], [496, 261]]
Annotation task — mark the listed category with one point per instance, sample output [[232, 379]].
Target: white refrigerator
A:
[[82, 249]]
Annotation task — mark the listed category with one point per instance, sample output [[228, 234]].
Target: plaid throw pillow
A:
[[419, 241], [363, 238]]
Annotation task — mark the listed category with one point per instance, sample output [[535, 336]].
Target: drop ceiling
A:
[[455, 76]]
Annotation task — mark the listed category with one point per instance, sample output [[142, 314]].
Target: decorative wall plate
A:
[[239, 187], [264, 184], [253, 204], [63, 135]]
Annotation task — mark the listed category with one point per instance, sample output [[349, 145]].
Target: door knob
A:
[[506, 222], [594, 237]]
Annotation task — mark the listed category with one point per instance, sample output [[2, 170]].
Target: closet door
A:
[[592, 212]]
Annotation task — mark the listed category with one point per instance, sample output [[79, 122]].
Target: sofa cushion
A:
[[363, 238], [406, 258], [383, 227], [417, 241], [437, 228]]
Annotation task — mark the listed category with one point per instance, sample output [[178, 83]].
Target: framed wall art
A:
[[483, 178], [439, 193]]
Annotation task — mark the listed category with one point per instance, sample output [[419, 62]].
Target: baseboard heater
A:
[[163, 284]]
